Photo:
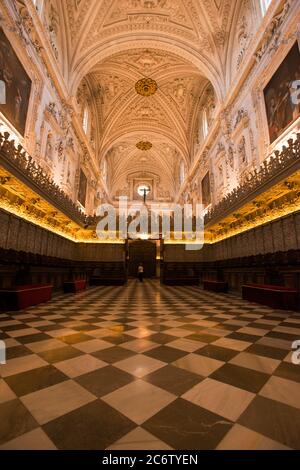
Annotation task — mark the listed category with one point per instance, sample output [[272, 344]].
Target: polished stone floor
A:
[[149, 367]]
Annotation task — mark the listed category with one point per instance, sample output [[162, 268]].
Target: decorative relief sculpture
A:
[[146, 15], [172, 8], [49, 148], [144, 145], [60, 149], [210, 103], [254, 180], [231, 157], [69, 174], [242, 115], [272, 35], [17, 157], [241, 149], [243, 39], [146, 87], [52, 109], [179, 90], [112, 87], [220, 174], [220, 148], [53, 28], [163, 194], [183, 93]]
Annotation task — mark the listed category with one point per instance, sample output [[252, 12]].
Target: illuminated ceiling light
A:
[[146, 87], [144, 145]]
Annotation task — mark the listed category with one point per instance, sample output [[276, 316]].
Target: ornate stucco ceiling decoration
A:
[[201, 25], [168, 109], [144, 145], [163, 118], [144, 62], [183, 92], [174, 17], [116, 43], [76, 12], [218, 3], [218, 14], [172, 9], [125, 159], [146, 87]]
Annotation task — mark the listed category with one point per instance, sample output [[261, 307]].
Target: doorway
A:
[[142, 251]]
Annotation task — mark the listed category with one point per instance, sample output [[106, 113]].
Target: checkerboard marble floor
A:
[[149, 367]]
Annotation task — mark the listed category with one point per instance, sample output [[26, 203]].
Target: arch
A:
[[105, 50], [151, 132], [125, 167], [160, 158], [122, 166], [113, 127]]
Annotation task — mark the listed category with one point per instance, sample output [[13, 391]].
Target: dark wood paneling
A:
[[142, 252]]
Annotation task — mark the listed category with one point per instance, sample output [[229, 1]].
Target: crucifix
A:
[[145, 192]]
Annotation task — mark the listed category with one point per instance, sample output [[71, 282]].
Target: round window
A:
[[143, 190]]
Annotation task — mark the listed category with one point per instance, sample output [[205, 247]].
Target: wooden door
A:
[[144, 252]]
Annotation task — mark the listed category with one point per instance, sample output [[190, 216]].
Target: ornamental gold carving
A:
[[144, 145], [146, 87]]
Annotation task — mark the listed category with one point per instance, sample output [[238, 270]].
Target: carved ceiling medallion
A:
[[146, 87], [144, 145]]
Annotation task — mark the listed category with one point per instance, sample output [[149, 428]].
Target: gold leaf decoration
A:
[[146, 87], [144, 145]]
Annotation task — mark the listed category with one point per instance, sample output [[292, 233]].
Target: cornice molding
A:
[[17, 161], [31, 30], [276, 168]]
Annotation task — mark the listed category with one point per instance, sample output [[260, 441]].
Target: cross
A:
[[145, 191]]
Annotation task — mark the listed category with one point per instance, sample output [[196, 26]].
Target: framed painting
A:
[[82, 189], [205, 188], [15, 85], [281, 106]]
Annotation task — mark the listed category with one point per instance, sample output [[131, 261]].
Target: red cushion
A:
[[273, 296], [22, 297]]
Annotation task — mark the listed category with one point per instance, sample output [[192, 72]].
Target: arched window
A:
[[86, 120], [39, 4], [104, 171], [204, 123], [182, 172], [265, 5]]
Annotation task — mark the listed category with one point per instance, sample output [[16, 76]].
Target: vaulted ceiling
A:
[[197, 30], [180, 44], [164, 119]]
